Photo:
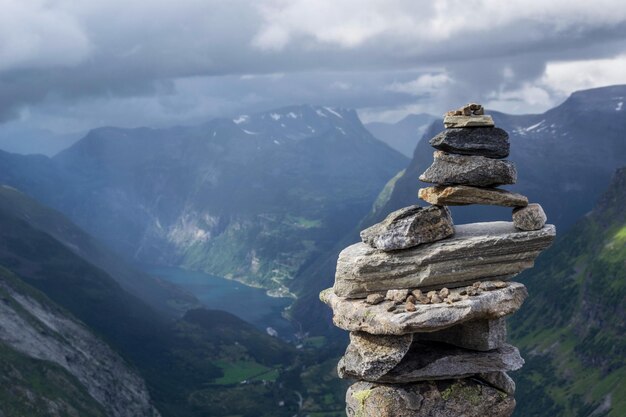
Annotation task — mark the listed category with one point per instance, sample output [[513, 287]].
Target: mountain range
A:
[[269, 199], [254, 198]]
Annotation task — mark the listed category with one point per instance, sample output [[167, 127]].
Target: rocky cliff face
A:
[[33, 326]]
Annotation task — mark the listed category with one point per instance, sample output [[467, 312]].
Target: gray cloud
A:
[[68, 65]]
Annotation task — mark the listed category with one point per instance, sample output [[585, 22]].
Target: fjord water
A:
[[250, 304]]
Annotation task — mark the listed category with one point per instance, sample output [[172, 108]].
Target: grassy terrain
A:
[[243, 371]]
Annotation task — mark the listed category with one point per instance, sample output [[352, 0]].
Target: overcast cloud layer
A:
[[70, 65]]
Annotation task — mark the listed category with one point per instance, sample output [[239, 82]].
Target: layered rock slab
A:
[[369, 357], [476, 251], [491, 142], [468, 121], [373, 356], [430, 361], [356, 315], [451, 398], [450, 169], [409, 227], [461, 195]]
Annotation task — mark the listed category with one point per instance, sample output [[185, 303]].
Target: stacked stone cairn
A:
[[425, 301]]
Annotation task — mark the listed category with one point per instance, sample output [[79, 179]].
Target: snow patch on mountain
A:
[[241, 119]]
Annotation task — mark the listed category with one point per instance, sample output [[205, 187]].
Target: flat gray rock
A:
[[491, 142], [450, 169], [460, 195], [531, 217], [468, 121], [356, 315], [427, 361], [477, 251], [373, 356], [479, 335], [369, 356], [409, 227], [450, 398], [499, 380]]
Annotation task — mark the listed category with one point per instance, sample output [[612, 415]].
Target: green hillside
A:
[[571, 330]]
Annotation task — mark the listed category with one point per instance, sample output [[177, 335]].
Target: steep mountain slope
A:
[[53, 365], [564, 157], [158, 294], [572, 328], [403, 135], [189, 364]]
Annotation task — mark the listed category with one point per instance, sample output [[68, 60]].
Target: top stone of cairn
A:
[[472, 115]]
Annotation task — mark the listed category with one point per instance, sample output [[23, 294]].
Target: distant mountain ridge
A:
[[252, 198], [404, 134]]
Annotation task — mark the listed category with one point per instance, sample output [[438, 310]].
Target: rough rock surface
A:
[[480, 335], [357, 315], [450, 169], [459, 195], [491, 142], [499, 380], [44, 331], [531, 217], [476, 251], [452, 398], [429, 360], [409, 227], [373, 356], [468, 121]]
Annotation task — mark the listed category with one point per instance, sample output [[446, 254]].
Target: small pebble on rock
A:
[[444, 292], [417, 293], [410, 306], [436, 299], [375, 299], [397, 295], [454, 298], [424, 300]]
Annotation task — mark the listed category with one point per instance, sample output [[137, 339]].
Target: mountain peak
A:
[[299, 122], [611, 98]]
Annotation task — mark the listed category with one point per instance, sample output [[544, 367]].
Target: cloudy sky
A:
[[70, 65]]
